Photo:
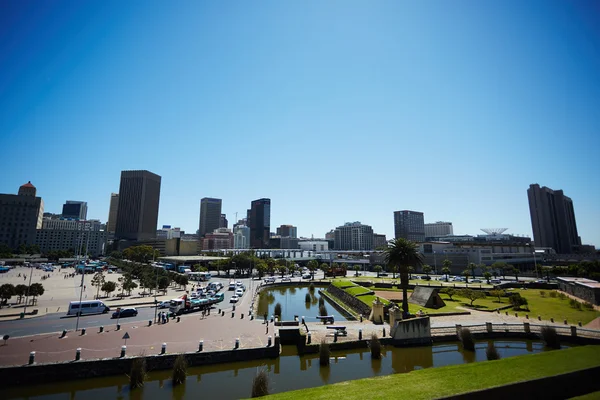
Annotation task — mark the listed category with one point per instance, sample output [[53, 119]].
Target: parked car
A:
[[383, 274], [426, 278], [286, 279], [476, 281], [239, 292], [496, 281], [269, 280], [125, 312], [238, 283], [164, 304], [306, 276], [234, 299]]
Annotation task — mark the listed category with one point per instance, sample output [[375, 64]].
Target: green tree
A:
[[472, 295], [97, 281], [326, 269], [129, 285], [312, 267], [117, 255], [163, 283], [516, 272], [261, 267], [7, 290], [344, 268], [499, 267], [142, 253], [35, 290], [108, 287], [411, 270], [357, 269], [472, 267], [449, 291], [427, 269], [497, 293], [446, 272], [487, 276], [378, 269], [466, 273], [5, 251], [517, 301], [403, 253], [447, 268], [20, 291]]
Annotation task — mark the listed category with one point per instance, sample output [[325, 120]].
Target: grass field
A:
[[446, 381]]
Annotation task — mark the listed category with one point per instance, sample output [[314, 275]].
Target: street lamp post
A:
[[155, 289]]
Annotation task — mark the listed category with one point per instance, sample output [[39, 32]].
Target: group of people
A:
[[163, 317]]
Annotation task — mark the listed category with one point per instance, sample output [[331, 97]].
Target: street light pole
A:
[[155, 289], [81, 285]]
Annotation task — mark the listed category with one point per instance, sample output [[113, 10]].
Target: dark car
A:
[[125, 312]]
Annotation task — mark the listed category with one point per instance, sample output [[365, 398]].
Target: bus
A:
[[198, 276], [87, 307]]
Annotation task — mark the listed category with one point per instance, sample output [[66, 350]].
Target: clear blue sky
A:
[[338, 111]]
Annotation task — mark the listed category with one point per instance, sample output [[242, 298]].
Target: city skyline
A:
[[501, 95]]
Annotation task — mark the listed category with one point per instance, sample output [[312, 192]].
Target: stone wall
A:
[[335, 305], [585, 293], [66, 371], [351, 301]]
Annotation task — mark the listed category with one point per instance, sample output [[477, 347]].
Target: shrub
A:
[[577, 306], [550, 337], [137, 376], [311, 288], [260, 384], [466, 338], [323, 311], [307, 298], [517, 301], [324, 353], [449, 291], [321, 301], [375, 347], [277, 311], [497, 293], [562, 296], [572, 303], [553, 294], [179, 370], [588, 306], [542, 293], [491, 352]]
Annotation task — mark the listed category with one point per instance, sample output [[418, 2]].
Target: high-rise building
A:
[[409, 225], [287, 230], [20, 216], [552, 219], [260, 223], [379, 241], [139, 196], [223, 221], [71, 234], [75, 210], [210, 215], [241, 237], [438, 228], [354, 236], [221, 238], [111, 225]]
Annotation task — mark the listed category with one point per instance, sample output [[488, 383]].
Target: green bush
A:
[[277, 310], [517, 301], [260, 384], [562, 296], [137, 376], [179, 370], [491, 352], [542, 293], [550, 337], [588, 306], [553, 294], [375, 345], [324, 353]]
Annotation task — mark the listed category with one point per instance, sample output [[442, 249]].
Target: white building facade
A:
[[439, 228]]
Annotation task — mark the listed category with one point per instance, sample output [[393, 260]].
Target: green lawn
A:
[[556, 308], [357, 290], [446, 381]]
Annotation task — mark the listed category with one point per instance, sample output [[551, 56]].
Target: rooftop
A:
[[581, 281]]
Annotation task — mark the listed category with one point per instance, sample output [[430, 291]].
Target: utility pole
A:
[[82, 281]]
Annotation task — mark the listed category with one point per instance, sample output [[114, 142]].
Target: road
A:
[[57, 322]]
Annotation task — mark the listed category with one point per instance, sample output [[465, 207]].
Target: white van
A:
[[87, 307]]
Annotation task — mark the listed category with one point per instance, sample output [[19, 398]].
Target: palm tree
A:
[[472, 266], [403, 253], [447, 267], [446, 272], [377, 269], [427, 269]]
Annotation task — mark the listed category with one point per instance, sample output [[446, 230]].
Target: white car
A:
[[286, 279], [306, 276], [239, 292], [238, 283], [269, 280], [234, 299], [476, 281]]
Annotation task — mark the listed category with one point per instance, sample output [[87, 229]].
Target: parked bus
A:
[[87, 307]]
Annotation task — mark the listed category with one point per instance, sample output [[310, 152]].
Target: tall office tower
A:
[[409, 225], [20, 216], [139, 196], [438, 228], [287, 230], [260, 223], [210, 215], [75, 210], [112, 213], [354, 236], [552, 219], [223, 221]]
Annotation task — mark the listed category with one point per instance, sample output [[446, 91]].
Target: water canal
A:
[[293, 302], [288, 372]]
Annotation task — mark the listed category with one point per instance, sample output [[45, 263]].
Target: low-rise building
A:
[[582, 288], [313, 245], [71, 239], [221, 238]]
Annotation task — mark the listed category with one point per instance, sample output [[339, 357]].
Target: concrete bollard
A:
[[506, 313], [489, 327], [163, 349], [241, 316], [360, 334], [31, 357], [552, 320], [64, 333], [78, 354], [303, 320], [517, 315], [579, 323], [252, 318], [498, 310], [526, 327], [222, 313], [82, 331], [201, 345], [335, 336], [458, 328], [123, 351], [234, 307], [149, 322], [237, 343], [539, 317], [219, 311], [526, 316], [118, 327], [309, 337], [383, 332], [566, 322], [232, 314], [269, 341], [361, 318], [101, 329], [573, 331], [178, 319]]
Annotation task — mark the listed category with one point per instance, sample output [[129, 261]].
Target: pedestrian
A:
[[167, 317], [164, 318]]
